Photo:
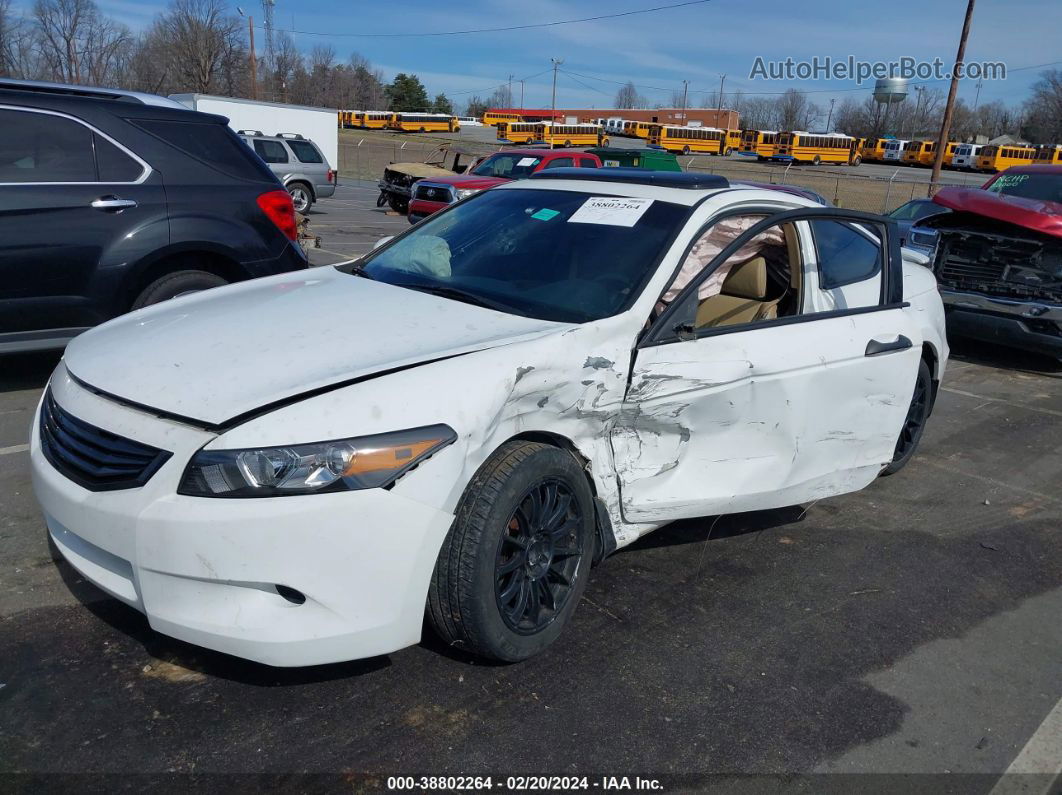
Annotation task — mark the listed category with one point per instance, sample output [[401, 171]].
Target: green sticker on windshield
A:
[[545, 215]]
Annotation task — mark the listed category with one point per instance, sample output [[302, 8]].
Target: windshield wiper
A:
[[359, 270], [457, 294]]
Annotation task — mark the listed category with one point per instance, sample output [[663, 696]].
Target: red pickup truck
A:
[[433, 194]]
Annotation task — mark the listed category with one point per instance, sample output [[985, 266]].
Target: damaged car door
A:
[[781, 373]]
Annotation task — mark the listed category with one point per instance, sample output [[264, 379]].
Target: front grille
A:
[[432, 193], [95, 459]]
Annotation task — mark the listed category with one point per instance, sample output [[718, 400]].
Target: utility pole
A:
[[685, 88], [510, 90], [553, 106], [977, 96], [521, 95], [830, 117], [253, 60], [949, 108], [722, 80]]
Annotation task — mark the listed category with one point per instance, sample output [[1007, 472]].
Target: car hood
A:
[[1040, 216], [471, 181], [217, 355]]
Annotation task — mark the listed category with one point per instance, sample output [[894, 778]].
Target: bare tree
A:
[[760, 113], [628, 97], [14, 36], [76, 43], [203, 44], [1043, 111], [792, 110]]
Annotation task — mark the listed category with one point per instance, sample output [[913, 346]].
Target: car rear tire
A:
[[176, 284], [301, 197], [515, 562], [915, 424]]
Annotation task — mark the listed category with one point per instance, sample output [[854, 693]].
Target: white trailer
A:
[[320, 125]]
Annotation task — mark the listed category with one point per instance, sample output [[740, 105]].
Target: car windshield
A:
[[510, 165], [1043, 187], [549, 254], [913, 211]]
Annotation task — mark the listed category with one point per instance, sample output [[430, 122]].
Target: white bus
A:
[[965, 156], [894, 150]]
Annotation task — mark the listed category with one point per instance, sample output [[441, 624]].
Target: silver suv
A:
[[297, 162]]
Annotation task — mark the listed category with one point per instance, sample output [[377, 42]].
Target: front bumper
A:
[[1030, 325], [205, 570], [419, 209]]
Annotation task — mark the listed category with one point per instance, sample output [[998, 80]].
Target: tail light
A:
[[331, 175], [277, 206]]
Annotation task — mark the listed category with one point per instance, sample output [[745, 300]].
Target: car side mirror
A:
[[381, 241]]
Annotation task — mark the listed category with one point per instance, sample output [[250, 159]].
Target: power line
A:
[[528, 26]]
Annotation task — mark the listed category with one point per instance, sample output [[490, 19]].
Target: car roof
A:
[[532, 152], [684, 196], [91, 92]]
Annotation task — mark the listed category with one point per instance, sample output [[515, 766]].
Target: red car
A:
[[998, 258], [436, 193]]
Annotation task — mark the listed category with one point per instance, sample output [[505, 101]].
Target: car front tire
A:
[[515, 562]]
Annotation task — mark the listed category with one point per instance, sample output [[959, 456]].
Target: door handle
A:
[[877, 348], [112, 204]]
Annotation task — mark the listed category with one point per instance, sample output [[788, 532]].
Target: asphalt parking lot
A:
[[909, 628], [350, 223]]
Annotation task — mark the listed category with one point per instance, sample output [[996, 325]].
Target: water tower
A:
[[888, 91]]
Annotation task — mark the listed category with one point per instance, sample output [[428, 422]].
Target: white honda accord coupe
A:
[[295, 469]]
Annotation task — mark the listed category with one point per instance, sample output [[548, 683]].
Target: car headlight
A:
[[364, 462], [464, 193]]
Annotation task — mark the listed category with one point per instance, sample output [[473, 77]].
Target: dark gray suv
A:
[[110, 201], [298, 163]]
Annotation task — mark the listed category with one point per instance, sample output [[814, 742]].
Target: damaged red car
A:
[[998, 259]]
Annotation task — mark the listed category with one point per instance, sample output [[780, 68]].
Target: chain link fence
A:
[[365, 157]]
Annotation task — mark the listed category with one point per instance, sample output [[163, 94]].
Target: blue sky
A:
[[696, 43]]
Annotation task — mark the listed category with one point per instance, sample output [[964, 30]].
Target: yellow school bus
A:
[[425, 122], [637, 129], [1048, 155], [687, 140], [873, 150], [1000, 158], [804, 147], [759, 143], [733, 142], [518, 132], [374, 119], [348, 118], [493, 118], [923, 153], [572, 134]]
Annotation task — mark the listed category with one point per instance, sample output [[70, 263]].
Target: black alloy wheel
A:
[[538, 557]]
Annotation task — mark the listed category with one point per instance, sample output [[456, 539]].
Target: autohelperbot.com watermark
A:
[[851, 68]]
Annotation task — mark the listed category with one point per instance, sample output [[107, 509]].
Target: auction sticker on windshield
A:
[[527, 161], [611, 211]]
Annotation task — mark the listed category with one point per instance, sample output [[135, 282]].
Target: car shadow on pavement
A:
[[187, 660], [1003, 358]]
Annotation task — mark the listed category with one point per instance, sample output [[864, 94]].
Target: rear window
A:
[[305, 151], [213, 144], [113, 164]]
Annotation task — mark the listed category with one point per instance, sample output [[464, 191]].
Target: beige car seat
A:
[[742, 299]]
